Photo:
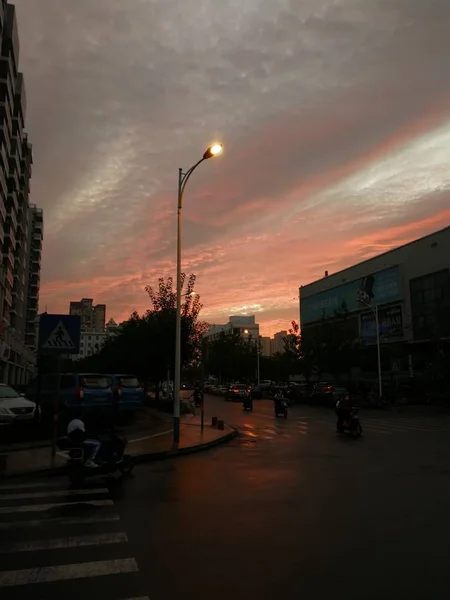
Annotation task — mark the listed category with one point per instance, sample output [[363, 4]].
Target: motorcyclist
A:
[[197, 394], [343, 406], [76, 432], [278, 399]]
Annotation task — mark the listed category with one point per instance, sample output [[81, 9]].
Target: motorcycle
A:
[[112, 462], [281, 408], [350, 423], [247, 403]]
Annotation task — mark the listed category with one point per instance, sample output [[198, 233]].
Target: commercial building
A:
[[243, 325], [92, 317], [410, 285], [17, 362], [266, 346]]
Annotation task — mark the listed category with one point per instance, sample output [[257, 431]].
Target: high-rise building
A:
[[35, 238], [278, 342], [17, 362], [92, 317]]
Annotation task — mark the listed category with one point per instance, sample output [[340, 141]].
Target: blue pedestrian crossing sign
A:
[[59, 334]]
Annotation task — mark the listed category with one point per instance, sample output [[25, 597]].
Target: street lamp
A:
[[183, 178], [247, 332], [374, 310]]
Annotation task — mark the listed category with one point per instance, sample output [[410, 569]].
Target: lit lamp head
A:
[[213, 150]]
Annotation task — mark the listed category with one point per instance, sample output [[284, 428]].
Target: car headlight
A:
[[4, 411]]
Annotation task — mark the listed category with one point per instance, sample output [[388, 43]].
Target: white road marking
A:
[[7, 510], [147, 437], [68, 542], [57, 520], [83, 492], [140, 598], [63, 572]]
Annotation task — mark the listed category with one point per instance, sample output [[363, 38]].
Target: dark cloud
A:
[[332, 111]]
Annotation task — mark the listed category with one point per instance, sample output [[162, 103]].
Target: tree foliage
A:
[[231, 357], [145, 344]]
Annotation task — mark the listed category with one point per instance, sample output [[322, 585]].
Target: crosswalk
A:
[[295, 426], [60, 542]]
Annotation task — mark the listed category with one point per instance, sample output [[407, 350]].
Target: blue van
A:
[[127, 392], [90, 390]]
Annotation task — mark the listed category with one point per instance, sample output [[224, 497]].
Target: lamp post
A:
[[247, 332], [183, 178], [374, 310]]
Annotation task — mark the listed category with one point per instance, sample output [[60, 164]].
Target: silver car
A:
[[14, 408]]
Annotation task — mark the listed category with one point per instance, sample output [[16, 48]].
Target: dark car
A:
[[238, 392]]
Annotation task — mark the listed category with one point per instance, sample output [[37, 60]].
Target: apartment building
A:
[[93, 317], [17, 362], [35, 239]]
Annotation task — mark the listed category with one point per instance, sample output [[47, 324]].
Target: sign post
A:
[[58, 335]]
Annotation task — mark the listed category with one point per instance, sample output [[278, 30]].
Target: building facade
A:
[[91, 342], [17, 361], [35, 239], [93, 317], [410, 285], [277, 343], [243, 325]]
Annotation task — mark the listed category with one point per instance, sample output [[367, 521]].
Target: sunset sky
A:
[[335, 116]]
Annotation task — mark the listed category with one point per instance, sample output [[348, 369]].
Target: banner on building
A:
[[390, 322], [377, 288]]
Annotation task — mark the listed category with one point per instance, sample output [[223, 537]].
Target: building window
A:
[[430, 305]]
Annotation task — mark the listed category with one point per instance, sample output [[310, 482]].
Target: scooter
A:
[[248, 403], [115, 461], [350, 423], [281, 408]]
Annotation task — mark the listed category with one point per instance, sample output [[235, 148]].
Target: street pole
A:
[[380, 378], [183, 178], [257, 362], [56, 405], [177, 374]]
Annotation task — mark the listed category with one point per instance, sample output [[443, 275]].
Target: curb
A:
[[140, 458]]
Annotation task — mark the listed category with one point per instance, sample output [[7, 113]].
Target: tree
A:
[[145, 345], [230, 357]]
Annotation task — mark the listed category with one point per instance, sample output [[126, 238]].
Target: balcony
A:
[[9, 277], [12, 198], [2, 208], [8, 298], [12, 215], [10, 233], [8, 259]]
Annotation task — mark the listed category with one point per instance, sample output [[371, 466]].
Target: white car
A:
[[14, 408]]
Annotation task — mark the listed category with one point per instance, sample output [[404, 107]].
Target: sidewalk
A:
[[155, 446], [148, 421]]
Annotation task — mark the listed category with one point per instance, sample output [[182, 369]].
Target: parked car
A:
[[90, 390], [127, 392], [15, 408], [238, 392]]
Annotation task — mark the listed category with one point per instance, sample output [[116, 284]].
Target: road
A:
[[287, 510]]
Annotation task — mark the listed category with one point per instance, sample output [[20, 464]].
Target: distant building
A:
[[241, 324], [266, 346], [91, 342], [92, 317], [278, 342]]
